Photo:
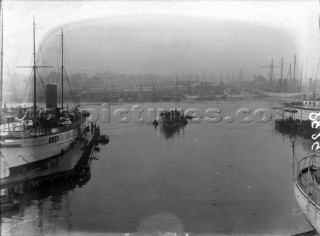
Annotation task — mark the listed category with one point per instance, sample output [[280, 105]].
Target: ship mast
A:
[[271, 74], [197, 85], [34, 71], [294, 73], [301, 77], [282, 82], [62, 68], [1, 74]]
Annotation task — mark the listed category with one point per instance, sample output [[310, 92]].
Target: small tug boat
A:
[[104, 139], [173, 119], [288, 122], [155, 122], [83, 173]]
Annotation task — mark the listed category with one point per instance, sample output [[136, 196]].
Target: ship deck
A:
[[310, 184], [66, 163]]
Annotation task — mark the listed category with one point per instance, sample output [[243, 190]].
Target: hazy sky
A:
[[164, 37]]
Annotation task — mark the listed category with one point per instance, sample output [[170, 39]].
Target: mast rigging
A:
[[1, 74], [62, 68]]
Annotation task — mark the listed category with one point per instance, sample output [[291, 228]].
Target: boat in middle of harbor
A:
[[173, 119]]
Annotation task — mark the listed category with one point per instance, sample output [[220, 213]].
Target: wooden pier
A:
[[64, 166]]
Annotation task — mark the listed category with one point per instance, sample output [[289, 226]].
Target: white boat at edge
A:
[[282, 95], [238, 96], [307, 188], [192, 97], [302, 111]]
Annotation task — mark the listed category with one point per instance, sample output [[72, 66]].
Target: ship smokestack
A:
[[51, 96]]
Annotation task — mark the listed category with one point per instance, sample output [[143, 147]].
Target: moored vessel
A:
[[286, 122], [42, 135], [307, 188], [305, 107], [191, 97], [234, 93], [173, 119], [281, 94]]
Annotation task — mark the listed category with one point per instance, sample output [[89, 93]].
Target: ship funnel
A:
[[51, 96]]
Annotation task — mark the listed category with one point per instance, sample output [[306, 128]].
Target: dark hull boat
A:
[[287, 124], [155, 122], [9, 205], [174, 125], [173, 119], [103, 139], [84, 174]]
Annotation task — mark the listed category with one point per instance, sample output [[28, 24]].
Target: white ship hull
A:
[[42, 135], [21, 151], [302, 114], [192, 97], [238, 96], [303, 111], [282, 95], [309, 208]]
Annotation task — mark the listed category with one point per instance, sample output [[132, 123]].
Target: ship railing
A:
[[36, 132], [26, 133], [306, 178], [311, 188]]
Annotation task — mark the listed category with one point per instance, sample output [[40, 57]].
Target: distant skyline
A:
[[171, 45], [164, 38]]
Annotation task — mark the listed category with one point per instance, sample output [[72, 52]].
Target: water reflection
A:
[[292, 134], [217, 179], [47, 207], [296, 136], [38, 208], [171, 132], [83, 171], [304, 129]]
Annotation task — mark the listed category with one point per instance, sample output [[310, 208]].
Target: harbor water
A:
[[203, 179]]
